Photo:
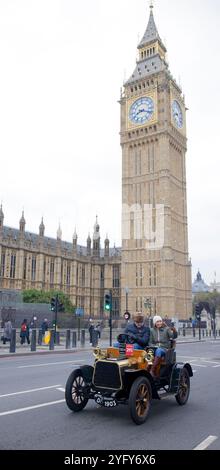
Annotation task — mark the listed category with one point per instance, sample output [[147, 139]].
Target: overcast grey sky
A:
[[62, 65]]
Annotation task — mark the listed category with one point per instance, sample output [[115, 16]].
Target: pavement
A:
[[24, 350]]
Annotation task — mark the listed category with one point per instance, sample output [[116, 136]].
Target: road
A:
[[34, 415]]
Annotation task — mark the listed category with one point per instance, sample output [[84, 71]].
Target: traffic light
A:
[[53, 304], [61, 307], [198, 312], [107, 302]]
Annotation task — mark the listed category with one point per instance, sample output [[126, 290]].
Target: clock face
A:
[[177, 114], [141, 110]]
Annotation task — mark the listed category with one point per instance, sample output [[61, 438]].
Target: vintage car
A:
[[122, 376]]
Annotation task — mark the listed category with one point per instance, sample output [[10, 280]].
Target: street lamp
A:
[[126, 298]]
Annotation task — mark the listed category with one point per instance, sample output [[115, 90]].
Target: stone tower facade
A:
[[156, 271]]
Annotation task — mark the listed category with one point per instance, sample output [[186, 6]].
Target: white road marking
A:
[[29, 391], [198, 365], [20, 410], [61, 389], [211, 362], [194, 370], [216, 366], [50, 364], [204, 444]]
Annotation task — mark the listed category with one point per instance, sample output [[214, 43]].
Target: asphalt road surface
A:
[[34, 415]]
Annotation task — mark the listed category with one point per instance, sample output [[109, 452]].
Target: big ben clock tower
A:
[[156, 271]]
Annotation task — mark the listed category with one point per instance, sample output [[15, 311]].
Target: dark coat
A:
[[140, 334]]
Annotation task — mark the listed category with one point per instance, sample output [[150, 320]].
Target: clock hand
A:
[[142, 111]]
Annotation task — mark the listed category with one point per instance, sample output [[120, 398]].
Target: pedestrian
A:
[[91, 329], [24, 333], [98, 328], [44, 326], [7, 332]]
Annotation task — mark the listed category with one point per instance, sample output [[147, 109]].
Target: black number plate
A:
[[106, 402]]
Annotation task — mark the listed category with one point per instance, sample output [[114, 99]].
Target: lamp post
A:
[[126, 298]]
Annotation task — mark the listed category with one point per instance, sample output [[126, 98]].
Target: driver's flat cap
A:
[[138, 316]]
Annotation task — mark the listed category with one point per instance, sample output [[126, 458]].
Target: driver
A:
[[138, 332]]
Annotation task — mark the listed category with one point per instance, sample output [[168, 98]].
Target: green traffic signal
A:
[[107, 302]]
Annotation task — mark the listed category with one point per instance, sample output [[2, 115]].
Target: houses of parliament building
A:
[[142, 274]]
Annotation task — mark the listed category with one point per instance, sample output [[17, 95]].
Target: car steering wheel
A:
[[125, 338]]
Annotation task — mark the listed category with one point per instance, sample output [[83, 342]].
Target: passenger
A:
[[137, 330], [160, 336]]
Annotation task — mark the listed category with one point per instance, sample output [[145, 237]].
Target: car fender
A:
[[87, 373], [175, 375], [131, 375]]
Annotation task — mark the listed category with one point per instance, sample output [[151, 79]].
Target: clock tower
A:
[[156, 270]]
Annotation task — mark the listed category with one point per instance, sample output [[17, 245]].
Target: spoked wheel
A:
[[184, 387], [140, 400], [77, 391]]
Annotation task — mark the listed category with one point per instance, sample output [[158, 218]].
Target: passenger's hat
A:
[[156, 318]]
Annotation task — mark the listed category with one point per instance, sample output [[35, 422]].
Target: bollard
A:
[[12, 348], [33, 340], [40, 337], [67, 339], [83, 337], [210, 332], [94, 338], [184, 332], [74, 339], [51, 343], [194, 333], [206, 332], [203, 333], [57, 337]]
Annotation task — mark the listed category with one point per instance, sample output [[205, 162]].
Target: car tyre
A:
[[76, 391], [184, 387], [140, 400]]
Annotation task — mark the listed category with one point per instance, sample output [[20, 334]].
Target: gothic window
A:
[[115, 307], [68, 275], [33, 268], [155, 274], [12, 266], [25, 267], [116, 276], [141, 276], [52, 272], [44, 272], [83, 275], [102, 277], [61, 274], [150, 275], [136, 275], [2, 266]]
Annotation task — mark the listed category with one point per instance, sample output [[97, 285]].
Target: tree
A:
[[44, 297]]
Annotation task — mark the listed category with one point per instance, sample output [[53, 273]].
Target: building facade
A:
[[30, 261], [152, 271]]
